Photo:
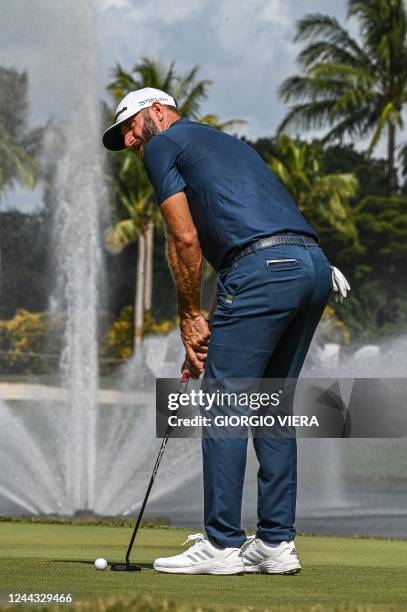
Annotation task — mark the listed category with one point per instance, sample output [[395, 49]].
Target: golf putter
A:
[[132, 567]]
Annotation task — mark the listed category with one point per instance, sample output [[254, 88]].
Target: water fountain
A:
[[75, 455], [72, 455], [79, 184]]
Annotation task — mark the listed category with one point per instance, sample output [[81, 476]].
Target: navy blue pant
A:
[[264, 323]]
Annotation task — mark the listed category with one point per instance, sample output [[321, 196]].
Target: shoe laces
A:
[[198, 537]]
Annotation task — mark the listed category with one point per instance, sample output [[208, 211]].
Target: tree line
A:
[[346, 88]]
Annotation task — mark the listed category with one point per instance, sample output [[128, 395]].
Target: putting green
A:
[[338, 573]]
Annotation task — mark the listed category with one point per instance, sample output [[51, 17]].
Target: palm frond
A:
[[356, 125], [299, 166], [354, 76], [16, 164], [120, 235], [122, 83], [183, 83], [388, 115], [325, 51], [345, 184], [351, 101], [150, 73], [280, 170], [223, 126], [309, 115], [310, 87], [383, 26], [192, 99], [313, 25]]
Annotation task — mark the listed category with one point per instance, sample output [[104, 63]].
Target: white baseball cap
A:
[[131, 104]]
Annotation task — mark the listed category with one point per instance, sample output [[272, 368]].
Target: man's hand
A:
[[195, 335]]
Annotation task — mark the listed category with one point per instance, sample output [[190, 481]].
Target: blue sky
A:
[[245, 48]]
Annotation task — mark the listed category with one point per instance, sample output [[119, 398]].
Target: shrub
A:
[[119, 338], [22, 341]]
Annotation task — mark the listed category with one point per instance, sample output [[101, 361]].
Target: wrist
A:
[[189, 314]]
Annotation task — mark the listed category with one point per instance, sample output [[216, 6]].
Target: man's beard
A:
[[149, 130]]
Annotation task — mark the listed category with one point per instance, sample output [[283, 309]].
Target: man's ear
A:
[[157, 110]]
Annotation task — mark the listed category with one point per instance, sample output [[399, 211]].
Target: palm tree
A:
[[148, 293], [355, 89], [17, 163], [188, 92], [324, 198], [135, 195]]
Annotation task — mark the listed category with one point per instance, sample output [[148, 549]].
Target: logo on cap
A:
[[151, 100], [120, 112]]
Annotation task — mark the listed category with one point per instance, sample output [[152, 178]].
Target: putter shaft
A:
[[182, 387]]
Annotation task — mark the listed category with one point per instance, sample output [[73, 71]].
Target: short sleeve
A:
[[160, 162]]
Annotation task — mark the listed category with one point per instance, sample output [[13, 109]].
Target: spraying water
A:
[[91, 458], [79, 185], [75, 455], [80, 198]]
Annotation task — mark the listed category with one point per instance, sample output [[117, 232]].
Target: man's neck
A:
[[173, 119]]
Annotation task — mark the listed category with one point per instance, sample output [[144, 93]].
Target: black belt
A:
[[263, 243]]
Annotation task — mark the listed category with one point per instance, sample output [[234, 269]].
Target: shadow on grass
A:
[[84, 562]]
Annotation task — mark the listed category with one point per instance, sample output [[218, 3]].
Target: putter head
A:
[[125, 567]]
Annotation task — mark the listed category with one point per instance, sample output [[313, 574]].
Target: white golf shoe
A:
[[265, 558], [202, 558]]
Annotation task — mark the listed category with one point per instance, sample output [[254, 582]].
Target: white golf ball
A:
[[101, 564]]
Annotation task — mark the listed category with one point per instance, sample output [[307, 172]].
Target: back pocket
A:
[[274, 262]]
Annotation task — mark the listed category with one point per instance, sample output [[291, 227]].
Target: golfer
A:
[[220, 201]]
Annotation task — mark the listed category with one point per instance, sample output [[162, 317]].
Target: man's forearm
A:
[[185, 259]]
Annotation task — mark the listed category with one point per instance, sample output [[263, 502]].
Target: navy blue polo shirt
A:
[[233, 196]]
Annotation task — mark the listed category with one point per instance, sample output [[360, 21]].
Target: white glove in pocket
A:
[[339, 284]]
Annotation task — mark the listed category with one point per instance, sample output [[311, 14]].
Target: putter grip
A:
[[184, 379]]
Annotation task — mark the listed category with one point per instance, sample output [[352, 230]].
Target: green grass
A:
[[338, 573]]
